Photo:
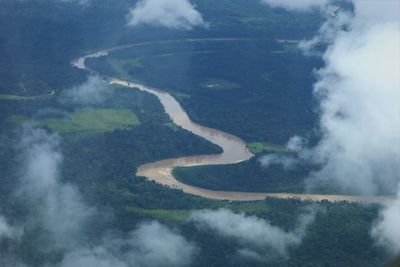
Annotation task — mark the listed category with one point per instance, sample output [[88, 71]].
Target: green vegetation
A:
[[172, 125], [218, 84], [179, 96], [250, 176], [254, 208], [259, 147], [266, 108], [120, 191], [18, 119], [119, 66], [16, 97], [242, 88], [87, 120], [159, 214], [20, 97]]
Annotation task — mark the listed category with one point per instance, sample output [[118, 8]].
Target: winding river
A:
[[234, 149]]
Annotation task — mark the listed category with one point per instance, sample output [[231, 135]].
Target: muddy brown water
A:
[[234, 148]]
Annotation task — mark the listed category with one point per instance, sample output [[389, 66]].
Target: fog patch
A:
[[94, 91], [173, 14], [56, 206], [288, 160], [259, 238], [387, 228], [151, 244], [8, 231]]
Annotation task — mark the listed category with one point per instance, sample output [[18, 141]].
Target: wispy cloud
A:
[[55, 206], [359, 102], [258, 237], [387, 228], [290, 160], [60, 219], [94, 91], [173, 14], [8, 231], [151, 244]]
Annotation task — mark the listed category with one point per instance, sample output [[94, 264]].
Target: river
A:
[[234, 148]]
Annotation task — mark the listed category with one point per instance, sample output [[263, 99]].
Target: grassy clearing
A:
[[259, 147], [218, 84], [99, 120], [19, 98], [160, 214], [87, 120]]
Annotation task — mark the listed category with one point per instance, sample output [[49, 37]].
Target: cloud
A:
[[296, 5], [358, 91], [387, 228], [7, 231], [360, 100], [173, 14], [151, 244], [55, 206], [359, 95], [257, 236], [287, 161], [336, 21], [159, 246], [94, 91], [61, 219]]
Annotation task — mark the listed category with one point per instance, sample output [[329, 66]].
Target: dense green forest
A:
[[248, 176], [257, 89]]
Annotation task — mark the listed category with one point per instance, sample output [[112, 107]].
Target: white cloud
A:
[[387, 227], [336, 20], [375, 12], [359, 103], [173, 14], [55, 206], [296, 5], [159, 246], [288, 162], [150, 245], [94, 91], [257, 236], [60, 216], [295, 145], [359, 95]]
